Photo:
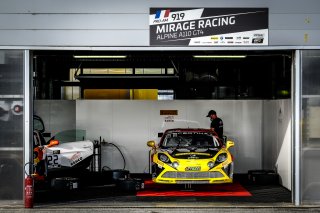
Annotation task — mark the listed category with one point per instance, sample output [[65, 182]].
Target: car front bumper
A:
[[194, 177]]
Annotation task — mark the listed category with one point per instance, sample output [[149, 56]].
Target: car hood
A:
[[70, 154], [196, 153]]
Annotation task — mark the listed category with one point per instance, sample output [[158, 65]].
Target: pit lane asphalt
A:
[[109, 199], [218, 207]]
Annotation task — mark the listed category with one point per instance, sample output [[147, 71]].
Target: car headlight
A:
[[164, 158], [210, 164], [221, 158], [175, 164]]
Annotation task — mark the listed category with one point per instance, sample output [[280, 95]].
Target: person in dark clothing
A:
[[216, 123]]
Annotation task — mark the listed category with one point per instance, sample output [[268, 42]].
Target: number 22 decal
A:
[[53, 161]]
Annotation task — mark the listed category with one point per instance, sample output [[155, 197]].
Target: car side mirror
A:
[[229, 144], [53, 143], [151, 144], [160, 134]]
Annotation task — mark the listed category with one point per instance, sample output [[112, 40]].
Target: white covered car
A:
[[65, 153]]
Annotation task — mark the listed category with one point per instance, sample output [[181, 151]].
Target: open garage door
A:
[[122, 99]]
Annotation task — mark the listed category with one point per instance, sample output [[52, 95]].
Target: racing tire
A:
[[119, 173], [127, 184], [65, 183]]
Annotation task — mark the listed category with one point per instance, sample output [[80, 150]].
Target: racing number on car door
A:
[[53, 161]]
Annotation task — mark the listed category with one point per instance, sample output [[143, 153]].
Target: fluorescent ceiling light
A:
[[219, 56], [99, 56]]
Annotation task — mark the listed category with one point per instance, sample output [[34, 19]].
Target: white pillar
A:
[[27, 113], [296, 98]]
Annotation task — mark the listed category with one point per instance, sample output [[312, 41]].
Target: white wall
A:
[[130, 124], [276, 143], [57, 115], [125, 23]]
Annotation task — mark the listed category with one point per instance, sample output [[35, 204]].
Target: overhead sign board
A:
[[208, 26]]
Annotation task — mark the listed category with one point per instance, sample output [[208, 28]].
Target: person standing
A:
[[216, 123]]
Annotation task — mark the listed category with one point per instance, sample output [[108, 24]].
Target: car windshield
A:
[[189, 139], [72, 135], [38, 123]]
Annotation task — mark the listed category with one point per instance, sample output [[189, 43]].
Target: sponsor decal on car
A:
[[199, 153], [76, 158], [56, 152], [193, 168], [76, 161]]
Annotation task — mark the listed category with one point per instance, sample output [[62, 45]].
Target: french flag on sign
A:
[[162, 14]]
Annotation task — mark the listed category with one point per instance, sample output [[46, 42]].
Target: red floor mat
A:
[[218, 190]]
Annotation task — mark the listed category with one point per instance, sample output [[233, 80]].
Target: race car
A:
[[64, 154], [191, 156]]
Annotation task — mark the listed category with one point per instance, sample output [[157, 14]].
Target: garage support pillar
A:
[[27, 113], [296, 91]]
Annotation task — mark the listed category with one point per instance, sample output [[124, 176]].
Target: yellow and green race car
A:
[[191, 156]]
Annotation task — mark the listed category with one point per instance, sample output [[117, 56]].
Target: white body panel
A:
[[68, 154]]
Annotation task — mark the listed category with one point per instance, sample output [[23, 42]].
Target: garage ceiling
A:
[[256, 75]]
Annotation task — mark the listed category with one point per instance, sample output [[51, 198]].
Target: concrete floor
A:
[[110, 199], [106, 205]]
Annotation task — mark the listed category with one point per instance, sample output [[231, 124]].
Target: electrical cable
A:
[[124, 160], [25, 171], [106, 168]]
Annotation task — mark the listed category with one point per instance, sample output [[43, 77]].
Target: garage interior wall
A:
[[262, 141], [99, 23], [276, 142]]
